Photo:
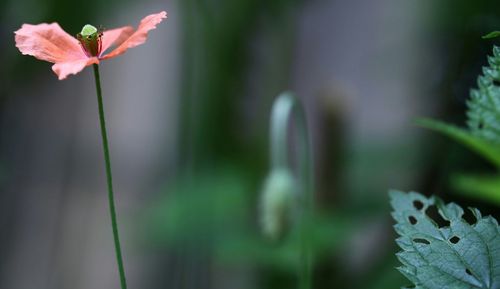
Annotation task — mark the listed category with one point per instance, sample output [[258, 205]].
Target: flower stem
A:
[[285, 107], [109, 178]]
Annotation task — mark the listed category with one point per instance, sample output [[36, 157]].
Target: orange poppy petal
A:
[[48, 42], [140, 35], [115, 37], [63, 69]]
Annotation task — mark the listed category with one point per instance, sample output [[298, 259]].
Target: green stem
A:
[[109, 178], [286, 106]]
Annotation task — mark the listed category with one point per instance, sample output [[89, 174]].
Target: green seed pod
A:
[[90, 40], [88, 30], [277, 202]]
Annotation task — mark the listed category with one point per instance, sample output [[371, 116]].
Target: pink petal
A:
[[140, 35], [63, 69], [115, 37], [48, 42]]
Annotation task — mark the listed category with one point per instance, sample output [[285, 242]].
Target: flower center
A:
[[90, 40]]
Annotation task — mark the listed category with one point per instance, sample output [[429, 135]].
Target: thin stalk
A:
[[109, 178], [284, 108]]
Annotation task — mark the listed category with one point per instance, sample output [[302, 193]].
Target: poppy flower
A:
[[71, 55]]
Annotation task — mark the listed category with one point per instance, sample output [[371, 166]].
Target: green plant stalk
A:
[[109, 178], [286, 106]]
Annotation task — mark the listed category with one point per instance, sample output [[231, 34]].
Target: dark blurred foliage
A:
[[216, 42], [216, 39]]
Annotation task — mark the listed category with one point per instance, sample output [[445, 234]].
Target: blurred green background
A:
[[188, 116]]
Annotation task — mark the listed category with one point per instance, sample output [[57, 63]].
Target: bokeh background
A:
[[188, 116]]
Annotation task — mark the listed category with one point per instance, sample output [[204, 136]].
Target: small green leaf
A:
[[482, 187], [491, 35], [489, 150], [451, 255]]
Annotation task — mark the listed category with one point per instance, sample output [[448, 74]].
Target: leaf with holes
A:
[[440, 250]]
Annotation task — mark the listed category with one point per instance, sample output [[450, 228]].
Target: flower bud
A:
[[276, 203]]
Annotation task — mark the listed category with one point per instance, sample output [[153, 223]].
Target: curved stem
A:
[[286, 106], [109, 179], [282, 110]]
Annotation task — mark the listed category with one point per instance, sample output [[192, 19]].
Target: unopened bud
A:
[[276, 203]]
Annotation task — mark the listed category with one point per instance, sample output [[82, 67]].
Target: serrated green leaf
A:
[[483, 187], [456, 256], [487, 149], [484, 104], [491, 35]]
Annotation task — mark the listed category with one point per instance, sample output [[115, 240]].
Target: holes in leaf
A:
[[468, 272], [432, 212], [469, 217], [454, 239], [412, 220], [421, 241], [418, 205]]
